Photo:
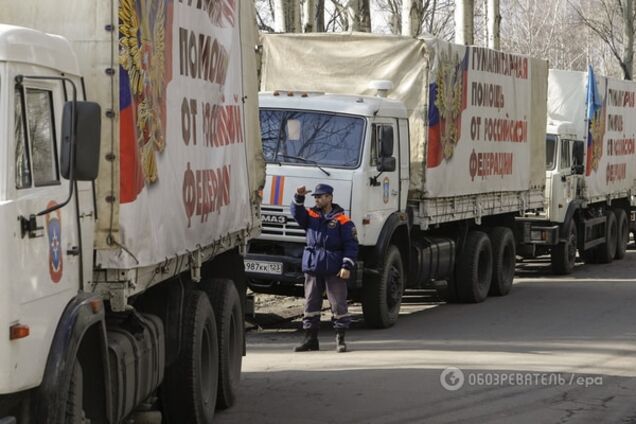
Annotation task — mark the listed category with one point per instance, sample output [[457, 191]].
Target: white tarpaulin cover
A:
[[189, 161], [566, 100], [181, 158], [610, 164], [476, 117]]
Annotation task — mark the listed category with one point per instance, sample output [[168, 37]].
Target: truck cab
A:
[[41, 251], [569, 223], [357, 144], [564, 169]]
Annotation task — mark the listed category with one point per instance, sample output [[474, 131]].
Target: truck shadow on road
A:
[[540, 317], [416, 395], [577, 329]]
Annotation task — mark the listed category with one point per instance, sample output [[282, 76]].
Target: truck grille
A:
[[278, 222]]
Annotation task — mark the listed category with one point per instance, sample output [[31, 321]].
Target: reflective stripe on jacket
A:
[[331, 239]]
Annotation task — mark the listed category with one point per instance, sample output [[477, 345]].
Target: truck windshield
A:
[[313, 138], [550, 152]]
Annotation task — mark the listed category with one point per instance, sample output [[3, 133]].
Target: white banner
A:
[[611, 159], [480, 125], [184, 181]]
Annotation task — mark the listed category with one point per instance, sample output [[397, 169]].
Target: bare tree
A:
[[365, 15], [430, 16], [613, 22], [391, 12], [360, 15], [464, 21], [309, 16], [435, 17], [493, 23], [293, 16], [438, 19], [264, 15], [628, 36], [280, 20], [412, 16], [320, 16], [545, 29], [287, 16], [338, 19]]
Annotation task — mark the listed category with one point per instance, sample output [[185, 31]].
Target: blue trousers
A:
[[336, 288]]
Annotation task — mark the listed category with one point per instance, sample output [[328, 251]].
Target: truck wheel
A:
[[607, 250], [504, 258], [75, 399], [189, 389], [474, 268], [622, 240], [563, 255], [228, 312], [382, 295]]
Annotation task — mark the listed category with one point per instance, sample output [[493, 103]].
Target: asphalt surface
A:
[[556, 350]]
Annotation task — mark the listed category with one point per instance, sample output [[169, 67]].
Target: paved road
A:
[[556, 350]]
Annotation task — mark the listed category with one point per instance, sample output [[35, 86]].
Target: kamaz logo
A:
[[274, 219]]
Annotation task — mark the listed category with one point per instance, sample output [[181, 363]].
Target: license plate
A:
[[263, 267]]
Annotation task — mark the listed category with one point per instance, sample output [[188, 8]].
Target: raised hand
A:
[[302, 191]]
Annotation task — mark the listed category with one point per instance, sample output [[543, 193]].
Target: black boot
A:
[[340, 340], [310, 343]]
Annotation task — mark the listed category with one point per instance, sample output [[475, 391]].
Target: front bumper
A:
[[286, 276], [290, 267], [539, 233]]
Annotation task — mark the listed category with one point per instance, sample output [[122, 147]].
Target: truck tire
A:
[[382, 295], [75, 399], [503, 264], [228, 313], [606, 251], [622, 240], [189, 390], [474, 268], [563, 255]]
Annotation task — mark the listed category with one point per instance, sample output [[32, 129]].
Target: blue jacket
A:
[[332, 242]]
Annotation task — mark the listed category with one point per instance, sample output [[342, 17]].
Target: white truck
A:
[[433, 170], [124, 219], [591, 171]]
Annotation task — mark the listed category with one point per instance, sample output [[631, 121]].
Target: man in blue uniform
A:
[[329, 257]]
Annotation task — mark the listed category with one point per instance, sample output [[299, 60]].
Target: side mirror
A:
[[386, 142], [386, 164], [578, 169], [87, 140], [578, 158]]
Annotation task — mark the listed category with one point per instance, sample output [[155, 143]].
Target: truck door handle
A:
[[73, 251], [394, 192]]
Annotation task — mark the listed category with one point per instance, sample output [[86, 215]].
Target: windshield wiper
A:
[[313, 162]]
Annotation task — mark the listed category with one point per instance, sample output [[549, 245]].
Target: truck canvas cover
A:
[[181, 157], [601, 111], [476, 116]]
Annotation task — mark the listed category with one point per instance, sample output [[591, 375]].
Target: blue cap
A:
[[322, 189]]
